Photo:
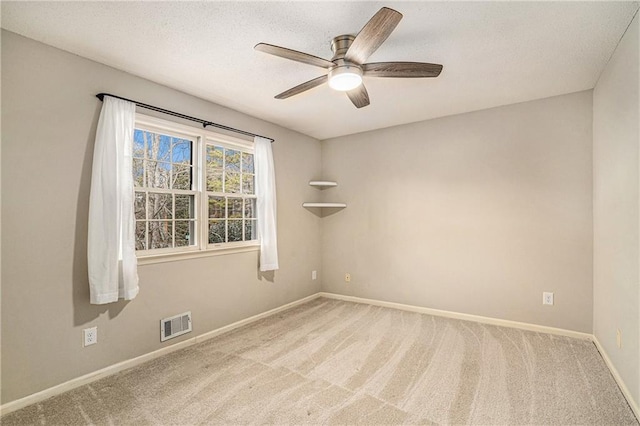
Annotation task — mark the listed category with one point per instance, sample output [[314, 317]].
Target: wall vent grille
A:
[[175, 326]]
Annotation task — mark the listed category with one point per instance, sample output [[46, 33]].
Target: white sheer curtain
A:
[[111, 253], [266, 204]]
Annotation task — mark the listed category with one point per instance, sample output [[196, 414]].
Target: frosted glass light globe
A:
[[345, 78]]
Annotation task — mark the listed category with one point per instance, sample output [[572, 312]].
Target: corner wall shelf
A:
[[323, 183], [334, 205]]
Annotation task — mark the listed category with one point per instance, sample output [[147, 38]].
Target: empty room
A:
[[320, 212]]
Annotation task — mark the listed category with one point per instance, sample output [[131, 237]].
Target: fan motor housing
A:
[[340, 45]]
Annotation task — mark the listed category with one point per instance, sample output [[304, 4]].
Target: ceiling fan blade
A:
[[372, 35], [294, 55], [401, 69], [302, 87], [359, 96]]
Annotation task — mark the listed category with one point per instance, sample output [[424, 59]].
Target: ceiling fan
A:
[[347, 66]]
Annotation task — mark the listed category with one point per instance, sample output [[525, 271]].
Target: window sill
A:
[[173, 257]]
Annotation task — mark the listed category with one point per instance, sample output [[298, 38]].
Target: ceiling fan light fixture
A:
[[345, 77], [348, 65]]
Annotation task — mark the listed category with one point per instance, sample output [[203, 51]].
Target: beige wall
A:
[[616, 176], [476, 213], [49, 116]]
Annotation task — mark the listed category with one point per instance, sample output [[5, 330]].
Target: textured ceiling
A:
[[494, 53]]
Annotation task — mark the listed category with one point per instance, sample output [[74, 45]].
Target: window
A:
[[230, 191], [194, 190]]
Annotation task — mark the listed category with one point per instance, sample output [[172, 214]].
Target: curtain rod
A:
[[204, 123]]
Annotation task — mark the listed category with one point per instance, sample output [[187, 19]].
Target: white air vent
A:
[[175, 326]]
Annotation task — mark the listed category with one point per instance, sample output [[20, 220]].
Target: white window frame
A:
[[200, 138]]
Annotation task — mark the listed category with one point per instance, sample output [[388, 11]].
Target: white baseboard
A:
[[124, 365], [614, 372], [227, 328], [466, 317]]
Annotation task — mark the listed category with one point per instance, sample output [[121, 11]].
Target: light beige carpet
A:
[[333, 362]]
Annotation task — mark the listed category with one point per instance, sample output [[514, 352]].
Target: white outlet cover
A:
[[547, 298], [314, 275], [90, 336]]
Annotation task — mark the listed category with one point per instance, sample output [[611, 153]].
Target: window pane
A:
[[235, 230], [214, 156], [181, 177], [250, 229], [247, 163], [248, 184], [216, 231], [138, 144], [160, 206], [232, 182], [217, 207], [141, 235], [184, 233], [158, 146], [249, 207], [158, 174], [214, 181], [138, 172], [140, 205], [181, 152], [147, 141], [185, 206], [160, 234], [232, 160], [235, 208]]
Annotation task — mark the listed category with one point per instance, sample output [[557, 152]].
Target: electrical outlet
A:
[[619, 338], [314, 275], [90, 336], [347, 277], [547, 298]]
